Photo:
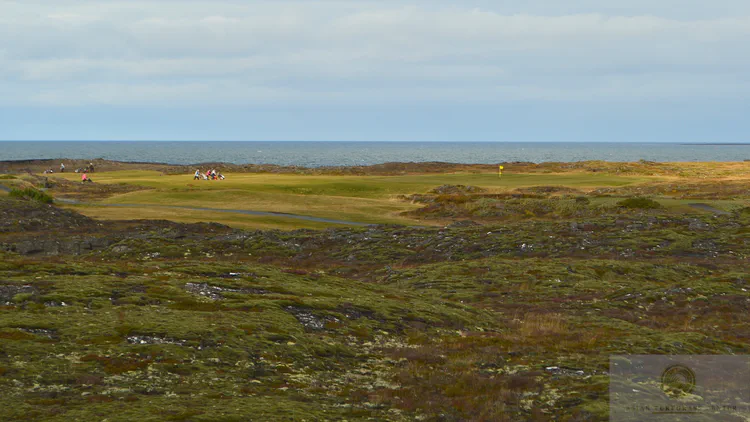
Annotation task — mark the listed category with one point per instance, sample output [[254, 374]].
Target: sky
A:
[[360, 70]]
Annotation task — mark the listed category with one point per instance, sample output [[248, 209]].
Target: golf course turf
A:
[[362, 199]]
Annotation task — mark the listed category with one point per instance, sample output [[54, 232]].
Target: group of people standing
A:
[[83, 170], [88, 169], [208, 175]]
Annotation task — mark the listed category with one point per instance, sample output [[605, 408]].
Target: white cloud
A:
[[360, 52]]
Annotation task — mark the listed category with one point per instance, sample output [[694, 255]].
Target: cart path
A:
[[706, 207]]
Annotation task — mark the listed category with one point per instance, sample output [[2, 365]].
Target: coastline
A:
[[310, 154], [390, 168]]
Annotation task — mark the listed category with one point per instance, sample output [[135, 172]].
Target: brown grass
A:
[[534, 324]]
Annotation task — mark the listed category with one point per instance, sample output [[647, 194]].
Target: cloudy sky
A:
[[538, 70]]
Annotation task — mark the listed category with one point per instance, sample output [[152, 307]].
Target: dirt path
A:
[[706, 207]]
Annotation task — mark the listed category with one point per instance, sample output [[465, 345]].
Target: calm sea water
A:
[[315, 154]]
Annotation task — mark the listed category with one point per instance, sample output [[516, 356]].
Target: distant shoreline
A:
[[315, 154], [721, 144], [374, 142]]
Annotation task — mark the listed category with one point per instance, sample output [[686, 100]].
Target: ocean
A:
[[317, 154]]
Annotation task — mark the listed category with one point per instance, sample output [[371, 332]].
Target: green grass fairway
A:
[[239, 221], [360, 186], [365, 199]]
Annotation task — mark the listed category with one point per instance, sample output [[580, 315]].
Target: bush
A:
[[533, 207], [570, 208], [453, 199], [456, 190], [639, 203], [485, 207], [31, 194]]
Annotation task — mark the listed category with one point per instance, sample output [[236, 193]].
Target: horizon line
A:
[[380, 141]]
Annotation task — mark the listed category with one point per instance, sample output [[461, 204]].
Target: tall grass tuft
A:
[[534, 325]]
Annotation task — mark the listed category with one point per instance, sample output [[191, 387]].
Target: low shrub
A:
[[529, 208], [456, 189], [639, 203], [452, 199], [31, 194]]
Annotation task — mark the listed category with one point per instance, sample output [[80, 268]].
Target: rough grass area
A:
[[201, 340], [490, 339], [153, 320], [154, 313]]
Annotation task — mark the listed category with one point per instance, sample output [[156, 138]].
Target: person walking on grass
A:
[[197, 175], [62, 167]]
